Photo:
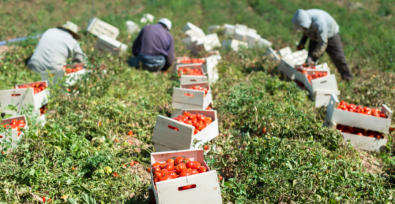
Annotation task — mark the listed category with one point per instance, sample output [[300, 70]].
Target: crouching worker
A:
[[154, 47], [323, 32], [55, 47]]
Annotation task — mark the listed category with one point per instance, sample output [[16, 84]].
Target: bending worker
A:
[[323, 32], [54, 47], [154, 47]]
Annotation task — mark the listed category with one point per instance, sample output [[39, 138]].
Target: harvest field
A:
[[296, 160]]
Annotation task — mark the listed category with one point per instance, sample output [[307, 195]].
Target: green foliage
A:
[[296, 160]]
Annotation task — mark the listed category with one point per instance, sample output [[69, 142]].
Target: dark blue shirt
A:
[[155, 40]]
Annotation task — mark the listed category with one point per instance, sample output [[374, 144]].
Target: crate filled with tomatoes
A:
[[73, 72], [35, 94], [192, 96], [189, 130], [13, 130], [177, 176], [363, 126], [190, 71], [314, 80]]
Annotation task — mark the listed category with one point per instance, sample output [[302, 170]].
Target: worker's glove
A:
[[309, 61], [300, 47]]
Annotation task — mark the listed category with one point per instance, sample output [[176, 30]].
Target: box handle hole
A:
[[183, 188], [15, 94], [174, 128]]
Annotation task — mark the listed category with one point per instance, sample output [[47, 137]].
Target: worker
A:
[[154, 47], [55, 47], [323, 32]]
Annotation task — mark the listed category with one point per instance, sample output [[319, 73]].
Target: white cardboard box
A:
[[107, 44], [240, 35], [198, 101], [321, 98], [208, 43], [185, 79], [338, 116], [326, 83], [197, 30], [252, 39], [365, 143], [184, 138], [207, 186], [241, 27], [13, 137], [23, 97], [288, 62], [272, 54], [234, 44], [98, 27], [147, 18], [286, 51], [261, 42], [132, 27], [229, 30]]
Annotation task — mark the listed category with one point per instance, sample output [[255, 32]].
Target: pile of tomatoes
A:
[[316, 76], [362, 110], [72, 70], [193, 60], [189, 71], [199, 121], [37, 87], [359, 131], [175, 168], [15, 124]]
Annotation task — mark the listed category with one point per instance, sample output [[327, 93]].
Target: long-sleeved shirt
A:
[[320, 27], [53, 49], [155, 40]]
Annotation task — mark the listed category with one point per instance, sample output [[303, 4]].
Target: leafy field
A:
[[296, 161]]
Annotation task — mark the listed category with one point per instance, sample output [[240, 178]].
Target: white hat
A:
[[73, 28], [165, 22]]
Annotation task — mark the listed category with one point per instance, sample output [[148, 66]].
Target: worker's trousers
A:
[[336, 53], [150, 63]]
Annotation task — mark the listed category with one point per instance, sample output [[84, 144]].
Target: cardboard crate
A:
[[241, 27], [252, 39], [190, 26], [107, 44], [288, 62], [286, 51], [366, 143], [234, 44], [209, 68], [147, 18], [186, 79], [337, 116], [321, 98], [229, 30], [261, 42], [13, 138], [240, 35], [23, 97], [207, 187], [184, 138], [208, 43], [197, 101], [272, 54], [132, 27], [326, 83], [98, 27], [177, 112]]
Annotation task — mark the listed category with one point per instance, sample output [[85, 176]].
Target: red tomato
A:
[[132, 163], [149, 170], [197, 164], [187, 114], [359, 134], [185, 173], [194, 171], [159, 175], [195, 131], [264, 130], [130, 133], [191, 165], [186, 160], [170, 161], [6, 126], [206, 147], [202, 169], [169, 167], [164, 172], [220, 177], [192, 116], [165, 178], [172, 174], [162, 166], [14, 122], [156, 164], [156, 169], [156, 179], [181, 167], [178, 160]]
